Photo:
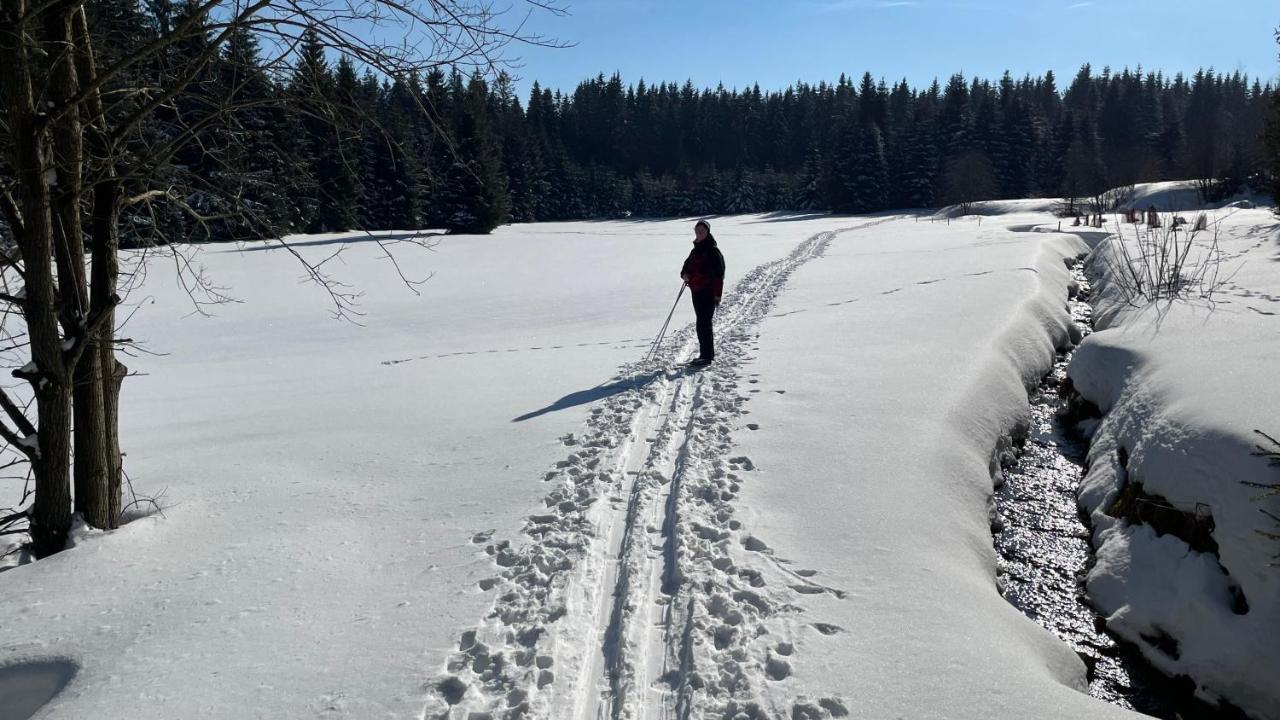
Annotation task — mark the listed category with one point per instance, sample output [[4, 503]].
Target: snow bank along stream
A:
[[1043, 541]]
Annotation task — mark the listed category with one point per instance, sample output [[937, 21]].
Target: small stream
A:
[[1043, 545]]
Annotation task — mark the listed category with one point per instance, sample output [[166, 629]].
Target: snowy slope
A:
[[1184, 386]]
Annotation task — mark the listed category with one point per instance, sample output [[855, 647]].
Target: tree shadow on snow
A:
[[344, 239], [785, 216], [779, 216], [583, 397]]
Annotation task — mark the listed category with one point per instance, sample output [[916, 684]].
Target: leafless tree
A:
[[968, 178], [76, 156]]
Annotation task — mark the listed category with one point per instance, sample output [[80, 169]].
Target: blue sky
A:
[[777, 42]]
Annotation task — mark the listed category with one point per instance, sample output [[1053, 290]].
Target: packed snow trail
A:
[[638, 569]]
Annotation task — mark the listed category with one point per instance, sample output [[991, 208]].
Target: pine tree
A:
[[1271, 139], [474, 192], [312, 86], [808, 191], [195, 171], [842, 166], [341, 188], [955, 119], [743, 194], [915, 181], [867, 187], [521, 159], [916, 189], [394, 169], [1016, 150], [1204, 127], [1084, 174]]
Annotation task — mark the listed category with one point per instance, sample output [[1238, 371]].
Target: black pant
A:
[[704, 306]]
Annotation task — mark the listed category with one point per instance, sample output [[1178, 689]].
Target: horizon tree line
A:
[[355, 150]]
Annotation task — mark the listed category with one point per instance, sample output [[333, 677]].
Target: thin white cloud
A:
[[1081, 5], [830, 6], [840, 5]]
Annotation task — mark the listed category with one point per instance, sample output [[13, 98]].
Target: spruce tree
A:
[[920, 165], [1084, 174], [474, 192], [1271, 139], [808, 191], [867, 187], [841, 170], [341, 188], [394, 172], [311, 86]]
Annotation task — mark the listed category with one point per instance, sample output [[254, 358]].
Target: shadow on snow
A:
[[347, 239], [599, 392]]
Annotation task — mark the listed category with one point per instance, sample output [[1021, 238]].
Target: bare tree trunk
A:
[[108, 194], [95, 498], [51, 511], [90, 466], [103, 301]]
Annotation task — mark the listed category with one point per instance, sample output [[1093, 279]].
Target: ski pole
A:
[[653, 349]]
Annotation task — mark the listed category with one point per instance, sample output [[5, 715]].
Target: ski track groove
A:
[[636, 595]]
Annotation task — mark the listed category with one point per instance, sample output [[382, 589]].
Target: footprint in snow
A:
[[835, 707], [823, 709], [452, 689], [777, 668]]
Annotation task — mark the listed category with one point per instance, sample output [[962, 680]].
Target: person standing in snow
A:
[[703, 272]]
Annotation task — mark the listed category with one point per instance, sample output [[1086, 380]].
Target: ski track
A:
[[636, 595]]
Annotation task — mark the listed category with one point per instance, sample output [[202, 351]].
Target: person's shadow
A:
[[599, 392]]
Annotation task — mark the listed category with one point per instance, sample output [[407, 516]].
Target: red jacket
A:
[[704, 268]]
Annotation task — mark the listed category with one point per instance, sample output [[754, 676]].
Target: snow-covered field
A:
[[482, 500]]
